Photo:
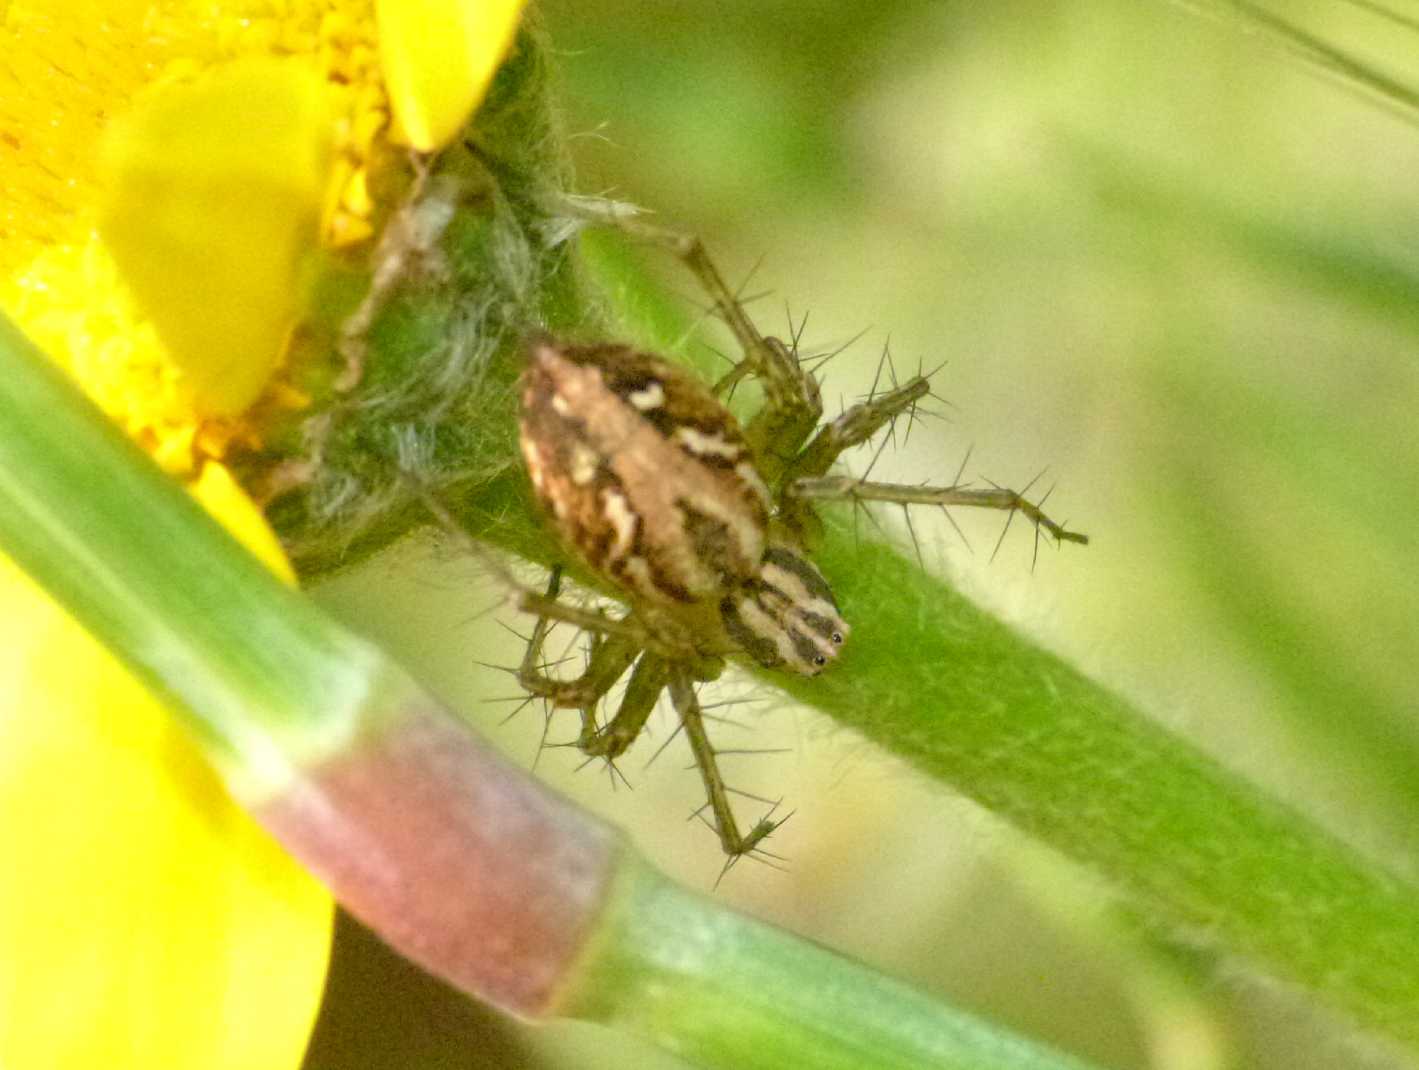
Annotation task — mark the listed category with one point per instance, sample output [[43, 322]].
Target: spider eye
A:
[[820, 660], [838, 638]]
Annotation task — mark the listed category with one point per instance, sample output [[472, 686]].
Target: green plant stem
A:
[[710, 985], [462, 862], [932, 678], [154, 577], [974, 705], [970, 702]]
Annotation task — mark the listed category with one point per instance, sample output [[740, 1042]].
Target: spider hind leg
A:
[[793, 400]]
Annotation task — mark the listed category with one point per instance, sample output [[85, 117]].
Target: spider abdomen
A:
[[646, 475]]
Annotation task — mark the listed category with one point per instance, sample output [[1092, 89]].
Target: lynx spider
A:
[[699, 525]]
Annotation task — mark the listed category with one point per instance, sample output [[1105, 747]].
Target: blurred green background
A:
[[1159, 258]]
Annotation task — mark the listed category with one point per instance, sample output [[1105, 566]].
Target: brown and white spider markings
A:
[[699, 525]]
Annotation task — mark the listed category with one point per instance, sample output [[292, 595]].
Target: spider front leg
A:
[[848, 488], [806, 479], [855, 426], [409, 245], [687, 705]]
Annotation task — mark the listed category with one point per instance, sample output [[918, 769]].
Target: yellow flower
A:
[[167, 170], [146, 920]]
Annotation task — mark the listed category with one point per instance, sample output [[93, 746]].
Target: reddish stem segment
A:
[[457, 859]]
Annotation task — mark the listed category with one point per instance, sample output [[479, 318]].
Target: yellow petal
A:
[[213, 198], [145, 920], [221, 495], [439, 57]]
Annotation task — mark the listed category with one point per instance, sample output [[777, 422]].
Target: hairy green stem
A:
[[460, 861], [970, 702]]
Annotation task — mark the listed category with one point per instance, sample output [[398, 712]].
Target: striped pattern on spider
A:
[[698, 524]]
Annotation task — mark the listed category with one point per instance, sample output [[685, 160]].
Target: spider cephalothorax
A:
[[698, 524]]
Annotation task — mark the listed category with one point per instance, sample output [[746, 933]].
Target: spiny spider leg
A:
[[854, 427], [807, 479], [408, 243], [642, 692], [793, 400], [848, 488], [590, 620], [688, 248], [687, 705], [617, 644], [611, 654]]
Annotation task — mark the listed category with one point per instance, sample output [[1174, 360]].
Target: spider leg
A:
[[846, 488], [647, 681], [687, 705], [544, 606], [793, 402], [408, 243], [688, 248], [611, 655], [854, 427]]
